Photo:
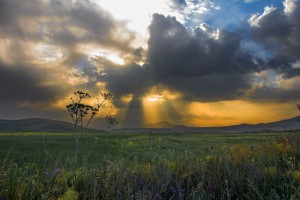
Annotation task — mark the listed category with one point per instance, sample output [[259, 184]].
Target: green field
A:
[[140, 166], [44, 148]]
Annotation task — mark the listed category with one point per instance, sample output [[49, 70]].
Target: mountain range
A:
[[47, 125]]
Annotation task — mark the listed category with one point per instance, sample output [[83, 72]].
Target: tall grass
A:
[[257, 171]]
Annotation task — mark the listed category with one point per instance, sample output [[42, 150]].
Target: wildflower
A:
[[47, 173], [177, 192], [56, 172], [153, 194], [254, 169], [210, 187]]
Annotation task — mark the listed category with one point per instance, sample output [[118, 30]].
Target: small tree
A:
[[82, 115]]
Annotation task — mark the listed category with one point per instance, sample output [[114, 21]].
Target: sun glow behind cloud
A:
[[153, 108], [155, 98], [138, 14], [161, 105]]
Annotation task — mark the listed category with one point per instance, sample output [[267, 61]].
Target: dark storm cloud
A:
[[291, 73], [93, 73], [211, 87], [94, 19], [63, 23], [272, 27], [11, 12], [279, 30], [273, 94], [22, 84], [130, 79], [94, 25], [205, 65]]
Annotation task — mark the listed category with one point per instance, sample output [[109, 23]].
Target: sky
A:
[[187, 62]]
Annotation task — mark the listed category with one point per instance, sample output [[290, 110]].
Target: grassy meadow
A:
[[144, 166]]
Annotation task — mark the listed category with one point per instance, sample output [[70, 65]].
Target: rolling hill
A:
[[47, 125], [37, 125], [283, 125]]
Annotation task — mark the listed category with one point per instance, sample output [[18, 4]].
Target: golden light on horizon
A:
[[160, 105], [237, 112]]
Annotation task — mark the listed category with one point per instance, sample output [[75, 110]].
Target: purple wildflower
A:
[[254, 169], [153, 194], [57, 172], [177, 192], [46, 174], [210, 186]]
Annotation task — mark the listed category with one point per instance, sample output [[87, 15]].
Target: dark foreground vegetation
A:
[[143, 166]]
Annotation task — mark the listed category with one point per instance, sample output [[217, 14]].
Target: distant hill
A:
[[164, 127], [283, 125], [38, 125], [46, 125]]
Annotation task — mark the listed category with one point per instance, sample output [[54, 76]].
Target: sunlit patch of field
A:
[[144, 166]]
